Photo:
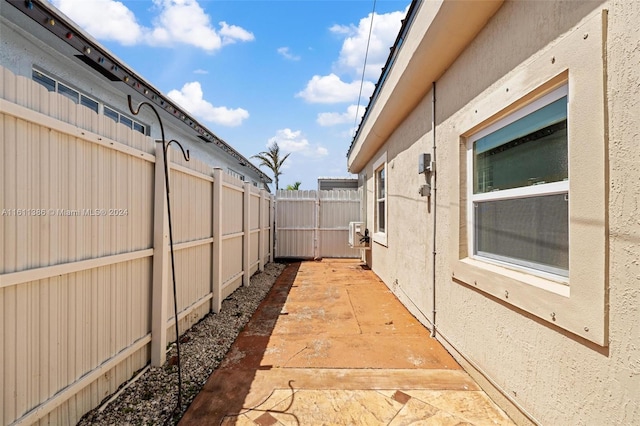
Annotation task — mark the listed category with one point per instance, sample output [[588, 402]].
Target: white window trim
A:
[[521, 192], [380, 162], [523, 112]]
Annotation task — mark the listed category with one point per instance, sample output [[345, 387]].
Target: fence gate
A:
[[315, 224]]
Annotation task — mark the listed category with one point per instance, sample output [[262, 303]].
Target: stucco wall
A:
[[407, 270], [555, 376], [21, 51]]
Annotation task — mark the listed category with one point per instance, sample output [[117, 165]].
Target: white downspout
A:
[[434, 193]]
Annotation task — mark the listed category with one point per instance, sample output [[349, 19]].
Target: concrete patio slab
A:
[[332, 345]]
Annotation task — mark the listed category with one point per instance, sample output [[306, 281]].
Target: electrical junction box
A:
[[424, 163], [425, 190]]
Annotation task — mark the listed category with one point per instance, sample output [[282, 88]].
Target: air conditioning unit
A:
[[358, 235]]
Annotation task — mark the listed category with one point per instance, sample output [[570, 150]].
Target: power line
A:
[[364, 67]]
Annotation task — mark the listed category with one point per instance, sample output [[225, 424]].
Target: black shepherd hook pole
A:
[[165, 149]]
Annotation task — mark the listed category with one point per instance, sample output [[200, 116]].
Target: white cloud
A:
[[322, 151], [383, 35], [294, 141], [331, 89], [201, 71], [183, 21], [178, 22], [341, 29], [232, 33], [191, 98], [286, 53], [104, 19], [335, 118]]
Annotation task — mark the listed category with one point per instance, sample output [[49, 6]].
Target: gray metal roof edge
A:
[[105, 59]]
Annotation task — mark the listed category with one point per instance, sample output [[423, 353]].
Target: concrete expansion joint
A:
[[353, 310]]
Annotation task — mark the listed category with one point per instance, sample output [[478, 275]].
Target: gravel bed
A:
[[152, 398]]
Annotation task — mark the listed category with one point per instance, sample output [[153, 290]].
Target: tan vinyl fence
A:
[[315, 224], [85, 288]]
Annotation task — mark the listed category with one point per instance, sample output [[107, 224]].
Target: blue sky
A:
[[255, 72]]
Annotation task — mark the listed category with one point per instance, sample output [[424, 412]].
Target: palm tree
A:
[[294, 187], [271, 159]]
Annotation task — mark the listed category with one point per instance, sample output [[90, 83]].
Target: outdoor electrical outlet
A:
[[425, 190]]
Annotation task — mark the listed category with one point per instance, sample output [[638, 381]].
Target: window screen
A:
[[531, 232]]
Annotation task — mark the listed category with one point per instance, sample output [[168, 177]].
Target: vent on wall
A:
[[97, 67]]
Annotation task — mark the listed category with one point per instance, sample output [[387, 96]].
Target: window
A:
[[108, 112], [380, 205], [68, 92], [123, 119], [138, 127], [566, 287], [47, 82], [77, 97], [53, 85], [380, 200], [235, 174], [126, 121], [518, 197], [89, 103]]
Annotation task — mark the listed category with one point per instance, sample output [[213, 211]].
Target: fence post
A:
[[216, 253], [316, 233], [246, 226], [159, 293], [263, 228], [272, 226]]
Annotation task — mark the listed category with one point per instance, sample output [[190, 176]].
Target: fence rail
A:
[[84, 291]]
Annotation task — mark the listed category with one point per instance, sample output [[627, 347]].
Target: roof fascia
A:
[[438, 34]]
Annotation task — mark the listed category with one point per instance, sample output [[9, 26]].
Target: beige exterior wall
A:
[[583, 367]]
